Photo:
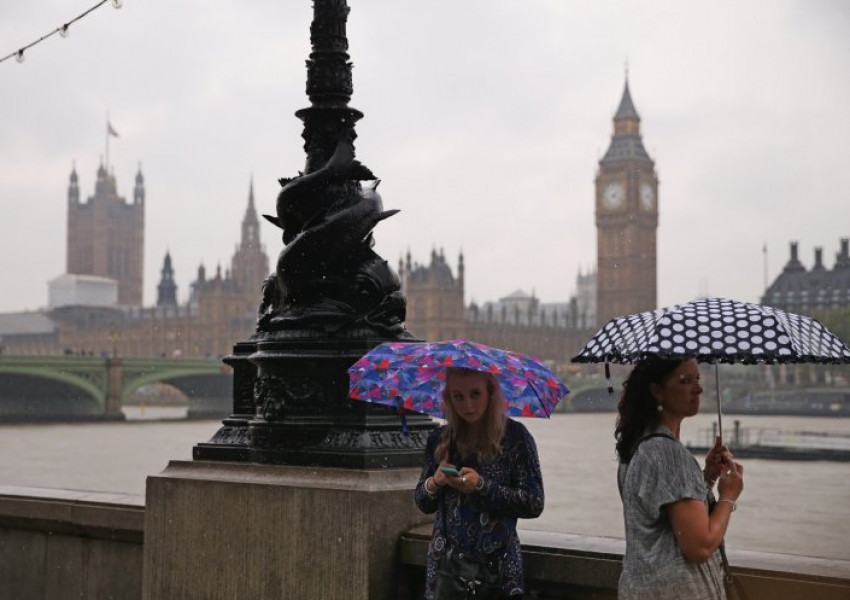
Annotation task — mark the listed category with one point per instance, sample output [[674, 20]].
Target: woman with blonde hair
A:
[[481, 474]]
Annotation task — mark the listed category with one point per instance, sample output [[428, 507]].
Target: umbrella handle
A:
[[404, 428], [717, 390], [608, 379]]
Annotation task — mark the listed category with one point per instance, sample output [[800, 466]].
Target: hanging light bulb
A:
[[117, 3], [20, 56], [64, 31]]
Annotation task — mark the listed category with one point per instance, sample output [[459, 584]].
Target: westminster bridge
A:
[[87, 387]]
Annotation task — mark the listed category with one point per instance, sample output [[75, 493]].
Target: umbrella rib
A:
[[540, 400]]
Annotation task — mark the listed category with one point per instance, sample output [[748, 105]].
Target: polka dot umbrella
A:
[[715, 330]]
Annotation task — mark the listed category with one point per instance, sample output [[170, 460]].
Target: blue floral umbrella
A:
[[411, 376]]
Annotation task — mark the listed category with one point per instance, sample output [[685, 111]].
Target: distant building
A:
[[519, 321], [87, 315], [166, 290], [626, 221], [105, 239], [106, 234], [624, 281], [434, 297], [82, 290], [802, 290], [586, 299]]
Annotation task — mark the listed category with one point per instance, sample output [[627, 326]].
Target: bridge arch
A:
[[171, 377], [98, 393], [32, 390], [76, 386]]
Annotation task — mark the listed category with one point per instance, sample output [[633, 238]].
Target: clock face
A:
[[647, 197], [614, 196]]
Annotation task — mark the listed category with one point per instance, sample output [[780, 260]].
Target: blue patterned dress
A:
[[484, 521]]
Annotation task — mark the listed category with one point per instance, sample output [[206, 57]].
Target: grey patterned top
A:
[[661, 472]]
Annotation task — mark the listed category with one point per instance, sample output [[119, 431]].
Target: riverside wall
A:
[[62, 544]]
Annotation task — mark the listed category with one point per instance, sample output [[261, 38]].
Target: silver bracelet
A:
[[436, 486], [732, 502]]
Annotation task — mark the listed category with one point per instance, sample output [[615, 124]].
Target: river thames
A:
[[787, 506]]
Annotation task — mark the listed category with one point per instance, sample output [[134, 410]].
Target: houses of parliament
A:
[[96, 306]]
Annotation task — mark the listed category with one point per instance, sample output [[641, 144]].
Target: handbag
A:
[[463, 575]]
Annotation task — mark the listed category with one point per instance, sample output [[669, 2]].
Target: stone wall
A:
[[560, 566], [60, 544]]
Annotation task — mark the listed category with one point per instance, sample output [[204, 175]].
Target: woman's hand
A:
[[716, 461], [467, 481], [441, 478], [731, 482]]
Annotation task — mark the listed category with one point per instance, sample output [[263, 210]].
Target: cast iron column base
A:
[[291, 407], [230, 443]]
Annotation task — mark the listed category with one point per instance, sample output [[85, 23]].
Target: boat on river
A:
[[777, 444]]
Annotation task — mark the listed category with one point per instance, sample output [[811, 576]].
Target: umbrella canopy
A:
[[413, 375], [715, 330]]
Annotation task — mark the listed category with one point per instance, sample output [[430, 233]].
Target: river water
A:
[[788, 507]]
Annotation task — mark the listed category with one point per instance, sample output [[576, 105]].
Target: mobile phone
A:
[[450, 471]]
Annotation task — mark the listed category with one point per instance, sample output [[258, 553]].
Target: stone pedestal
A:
[[230, 531]]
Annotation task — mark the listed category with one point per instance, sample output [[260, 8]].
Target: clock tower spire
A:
[[626, 220]]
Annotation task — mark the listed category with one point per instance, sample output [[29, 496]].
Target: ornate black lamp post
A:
[[330, 300]]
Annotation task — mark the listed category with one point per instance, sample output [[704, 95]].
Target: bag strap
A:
[[639, 442], [729, 577]]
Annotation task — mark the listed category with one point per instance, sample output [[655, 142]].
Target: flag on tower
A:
[[110, 129]]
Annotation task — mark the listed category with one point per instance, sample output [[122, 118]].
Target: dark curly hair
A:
[[638, 410]]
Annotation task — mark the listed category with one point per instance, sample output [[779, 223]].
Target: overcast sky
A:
[[485, 119]]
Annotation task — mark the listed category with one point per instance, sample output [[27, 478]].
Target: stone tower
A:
[[167, 288], [434, 297], [626, 220], [250, 264], [106, 234]]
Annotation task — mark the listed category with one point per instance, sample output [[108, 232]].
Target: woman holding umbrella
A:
[[481, 474], [674, 527]]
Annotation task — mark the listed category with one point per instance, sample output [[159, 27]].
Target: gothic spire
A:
[[250, 222], [167, 288], [73, 186], [626, 143], [139, 189], [626, 110]]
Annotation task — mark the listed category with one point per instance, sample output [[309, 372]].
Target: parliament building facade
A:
[[624, 281], [106, 243], [96, 307]]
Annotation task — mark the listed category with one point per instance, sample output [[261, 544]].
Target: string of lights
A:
[[61, 30]]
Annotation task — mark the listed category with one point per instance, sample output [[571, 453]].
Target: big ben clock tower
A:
[[626, 220]]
